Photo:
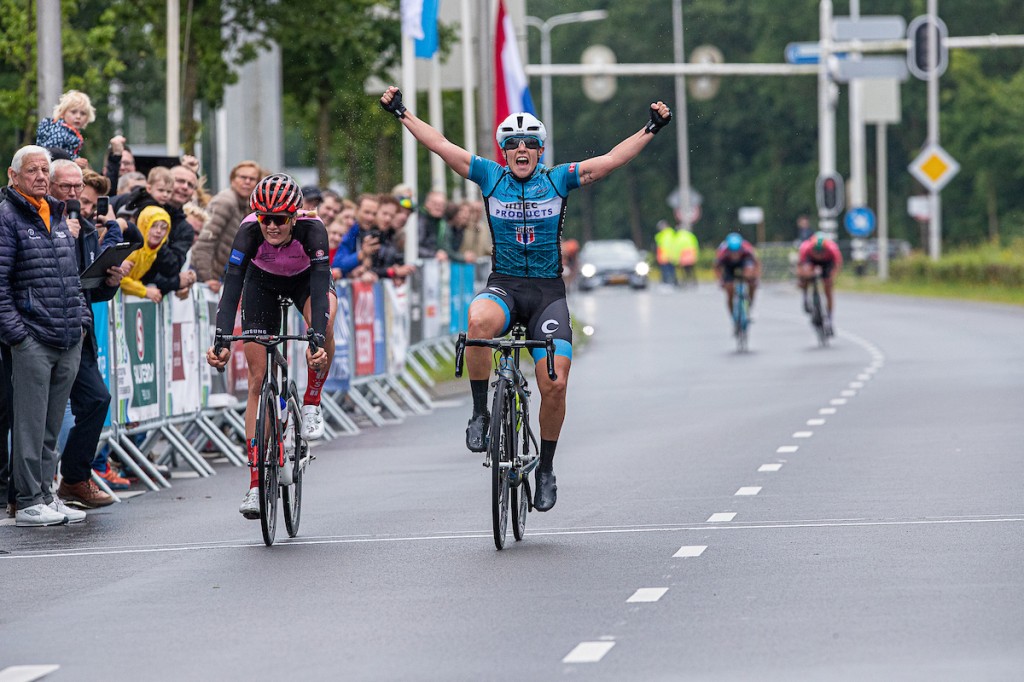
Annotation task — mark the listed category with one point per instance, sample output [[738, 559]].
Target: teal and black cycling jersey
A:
[[525, 216]]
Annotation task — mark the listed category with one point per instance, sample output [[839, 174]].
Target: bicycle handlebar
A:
[[504, 344], [266, 340]]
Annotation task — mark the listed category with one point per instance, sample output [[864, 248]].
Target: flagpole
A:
[[412, 234], [468, 110]]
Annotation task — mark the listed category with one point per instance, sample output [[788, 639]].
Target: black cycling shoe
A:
[[476, 432], [547, 491]]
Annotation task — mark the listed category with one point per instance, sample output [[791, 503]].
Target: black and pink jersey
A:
[[305, 255]]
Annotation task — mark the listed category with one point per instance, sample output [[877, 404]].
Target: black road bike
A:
[[510, 435], [741, 313], [821, 320], [283, 454]]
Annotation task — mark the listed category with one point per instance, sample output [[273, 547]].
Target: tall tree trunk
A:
[[190, 127]]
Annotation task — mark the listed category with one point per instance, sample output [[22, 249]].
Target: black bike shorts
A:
[[261, 311], [538, 303], [729, 269]]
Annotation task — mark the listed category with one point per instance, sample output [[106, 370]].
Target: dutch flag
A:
[[512, 89]]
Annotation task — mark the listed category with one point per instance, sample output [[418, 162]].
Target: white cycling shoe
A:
[[312, 422], [250, 508]]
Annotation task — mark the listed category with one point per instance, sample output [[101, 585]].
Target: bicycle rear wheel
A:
[[294, 452], [740, 316], [268, 444], [500, 453]]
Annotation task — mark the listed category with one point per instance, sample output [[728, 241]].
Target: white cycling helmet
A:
[[521, 124]]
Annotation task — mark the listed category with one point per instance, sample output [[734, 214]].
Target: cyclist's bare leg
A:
[[750, 274], [256, 359], [828, 294], [552, 396], [730, 290], [486, 320]]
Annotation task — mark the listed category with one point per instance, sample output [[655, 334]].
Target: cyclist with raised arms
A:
[[819, 251], [736, 253], [525, 210], [277, 252]]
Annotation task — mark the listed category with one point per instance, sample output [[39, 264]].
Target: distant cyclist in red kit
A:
[[819, 251]]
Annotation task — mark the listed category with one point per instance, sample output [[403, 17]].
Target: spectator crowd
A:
[[59, 212]]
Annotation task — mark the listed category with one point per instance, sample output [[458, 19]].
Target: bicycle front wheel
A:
[[268, 444], [818, 317], [295, 449], [501, 458]]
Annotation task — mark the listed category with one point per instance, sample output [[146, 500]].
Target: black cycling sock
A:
[[547, 454], [479, 391]]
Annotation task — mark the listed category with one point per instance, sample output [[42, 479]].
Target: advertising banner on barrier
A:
[[380, 350], [363, 312], [415, 284], [137, 332], [462, 283], [214, 384], [444, 309], [181, 353], [431, 300], [396, 323], [340, 377], [101, 325]]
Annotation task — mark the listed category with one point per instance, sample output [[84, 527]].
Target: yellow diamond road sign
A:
[[933, 167]]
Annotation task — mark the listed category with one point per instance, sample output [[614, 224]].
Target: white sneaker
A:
[[312, 422], [74, 515], [39, 515], [250, 508]]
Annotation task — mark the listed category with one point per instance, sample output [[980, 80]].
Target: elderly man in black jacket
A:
[[43, 318]]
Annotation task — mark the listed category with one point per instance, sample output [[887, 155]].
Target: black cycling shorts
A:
[[729, 269], [261, 311], [538, 303]]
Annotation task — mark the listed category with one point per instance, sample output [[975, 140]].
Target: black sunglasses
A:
[[278, 219], [511, 143]]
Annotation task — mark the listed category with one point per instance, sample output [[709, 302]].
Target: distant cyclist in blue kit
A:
[[525, 210]]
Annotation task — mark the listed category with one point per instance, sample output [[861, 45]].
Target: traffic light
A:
[[922, 32], [830, 194]]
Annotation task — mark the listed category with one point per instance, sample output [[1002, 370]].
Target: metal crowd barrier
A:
[[169, 408]]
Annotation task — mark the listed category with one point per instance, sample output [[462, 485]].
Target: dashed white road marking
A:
[[721, 517], [689, 551], [748, 490], [856, 384], [803, 434], [848, 393], [863, 377], [787, 448], [769, 467], [588, 652], [26, 673], [815, 422], [647, 594], [837, 401], [827, 410]]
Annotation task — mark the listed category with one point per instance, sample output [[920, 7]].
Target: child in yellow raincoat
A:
[[154, 224]]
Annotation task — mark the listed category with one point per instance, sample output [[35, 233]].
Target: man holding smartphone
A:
[[90, 398]]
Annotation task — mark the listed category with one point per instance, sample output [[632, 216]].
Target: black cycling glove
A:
[[657, 122], [396, 107]]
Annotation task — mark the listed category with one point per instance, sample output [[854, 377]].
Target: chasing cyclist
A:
[[736, 253], [525, 210], [819, 251], [277, 252]]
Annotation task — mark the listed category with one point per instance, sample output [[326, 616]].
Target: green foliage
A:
[[988, 265]]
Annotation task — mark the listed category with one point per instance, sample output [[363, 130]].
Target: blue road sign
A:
[[807, 53], [860, 221]]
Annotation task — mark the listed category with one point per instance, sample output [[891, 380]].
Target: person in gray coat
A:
[[43, 318]]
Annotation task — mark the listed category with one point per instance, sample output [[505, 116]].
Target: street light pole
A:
[[545, 59]]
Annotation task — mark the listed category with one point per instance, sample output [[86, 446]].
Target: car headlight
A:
[[588, 270], [642, 268]]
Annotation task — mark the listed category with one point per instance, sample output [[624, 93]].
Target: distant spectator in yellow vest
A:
[[665, 252], [688, 250]]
